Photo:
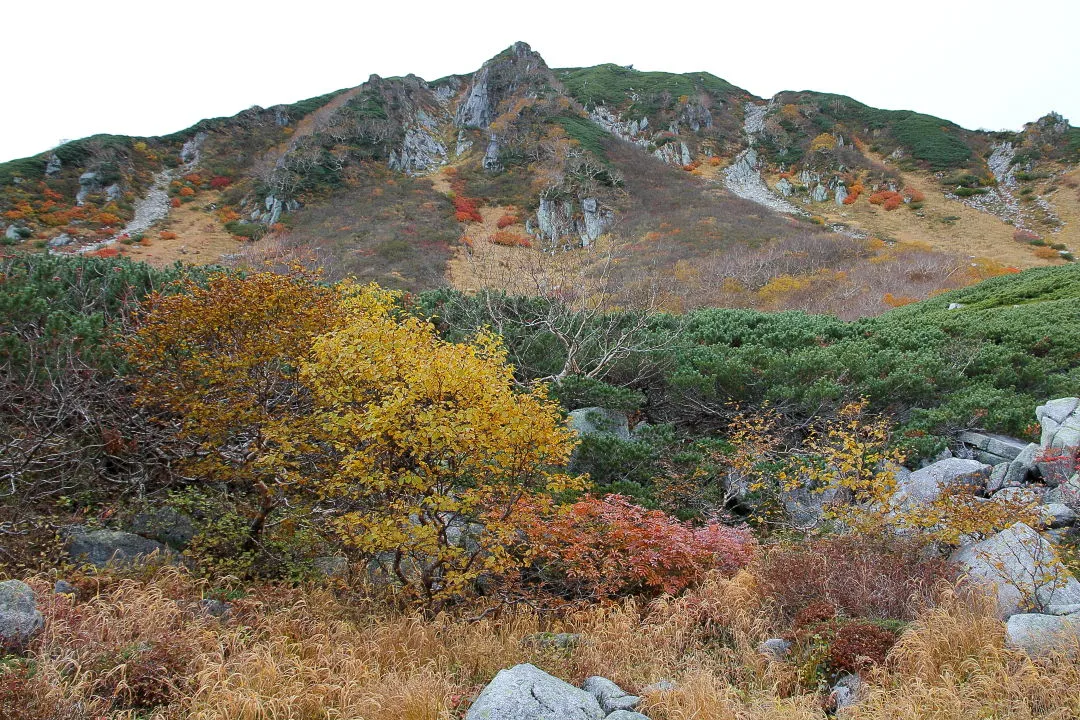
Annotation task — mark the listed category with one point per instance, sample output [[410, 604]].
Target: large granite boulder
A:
[[1022, 568], [99, 547], [594, 420], [926, 484], [1060, 443], [525, 692], [991, 448], [610, 696], [1038, 634]]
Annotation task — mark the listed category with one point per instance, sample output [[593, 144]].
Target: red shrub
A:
[[604, 547], [505, 221], [105, 252], [175, 202], [219, 181], [858, 575], [465, 209], [1025, 236]]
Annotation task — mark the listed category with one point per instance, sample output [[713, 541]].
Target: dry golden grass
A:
[[200, 239], [140, 648]]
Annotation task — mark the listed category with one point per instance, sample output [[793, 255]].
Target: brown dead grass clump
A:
[[142, 648]]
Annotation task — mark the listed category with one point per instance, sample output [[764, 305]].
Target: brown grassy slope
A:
[[380, 227], [200, 239], [142, 648]]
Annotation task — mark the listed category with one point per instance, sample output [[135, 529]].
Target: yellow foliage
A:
[[822, 142], [431, 439]]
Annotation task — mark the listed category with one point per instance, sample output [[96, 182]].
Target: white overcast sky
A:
[[75, 68]]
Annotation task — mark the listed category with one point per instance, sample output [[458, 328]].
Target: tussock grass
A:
[[141, 648]]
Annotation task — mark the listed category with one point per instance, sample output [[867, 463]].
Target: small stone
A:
[[63, 587], [214, 608], [775, 648], [20, 619]]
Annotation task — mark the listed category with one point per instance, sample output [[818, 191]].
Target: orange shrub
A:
[[897, 300], [850, 199], [167, 235], [692, 166], [175, 202], [714, 161], [605, 547], [194, 179], [106, 218], [510, 239], [187, 192], [105, 252], [1046, 253], [915, 195], [505, 221]]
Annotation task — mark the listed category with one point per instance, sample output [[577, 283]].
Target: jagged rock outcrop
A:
[[420, 152], [926, 484], [1059, 446], [515, 70], [558, 219]]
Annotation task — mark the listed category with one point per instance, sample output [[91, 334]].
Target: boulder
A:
[[1022, 467], [996, 481], [525, 692], [54, 165], [662, 685], [1067, 492], [610, 696], [847, 691], [841, 194], [991, 448], [785, 188], [166, 525], [1038, 634], [20, 619], [820, 193], [595, 420], [1057, 515], [925, 485], [1060, 443], [626, 715], [89, 182], [1021, 567], [98, 547], [60, 240], [214, 608]]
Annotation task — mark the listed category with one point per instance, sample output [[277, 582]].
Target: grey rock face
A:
[[98, 547], [491, 155], [991, 448], [996, 481], [1038, 634], [19, 616], [54, 165], [475, 111], [626, 715], [847, 691], [13, 233], [524, 692], [420, 152], [785, 188], [595, 420], [556, 220], [1023, 466], [819, 193], [60, 240], [610, 696], [88, 183], [113, 192], [1021, 567], [925, 485], [166, 525], [841, 194]]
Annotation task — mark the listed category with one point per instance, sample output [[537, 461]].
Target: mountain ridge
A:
[[321, 180]]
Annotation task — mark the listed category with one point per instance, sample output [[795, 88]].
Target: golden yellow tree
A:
[[434, 447], [220, 363]]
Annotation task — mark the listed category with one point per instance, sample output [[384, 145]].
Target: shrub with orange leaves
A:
[[714, 161], [897, 300], [692, 166], [106, 218], [167, 235], [175, 202], [194, 178], [465, 209], [187, 192], [105, 252], [915, 195], [505, 221], [505, 238], [1046, 253], [606, 547]]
